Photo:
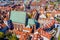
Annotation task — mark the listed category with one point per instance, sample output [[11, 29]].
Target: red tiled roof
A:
[[49, 25], [18, 32], [34, 3], [45, 34], [29, 29]]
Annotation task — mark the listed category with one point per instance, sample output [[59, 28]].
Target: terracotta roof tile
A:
[[45, 34]]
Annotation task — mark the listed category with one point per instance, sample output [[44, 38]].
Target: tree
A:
[[13, 37], [1, 35], [59, 37], [8, 34], [52, 38]]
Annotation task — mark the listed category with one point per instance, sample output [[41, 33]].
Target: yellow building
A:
[[48, 14]]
